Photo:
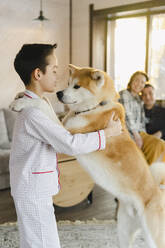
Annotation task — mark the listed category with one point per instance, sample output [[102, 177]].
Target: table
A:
[[76, 183]]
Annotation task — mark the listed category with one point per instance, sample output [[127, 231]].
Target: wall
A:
[[80, 44], [17, 26]]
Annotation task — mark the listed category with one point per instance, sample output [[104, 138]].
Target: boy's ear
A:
[[73, 68], [37, 73]]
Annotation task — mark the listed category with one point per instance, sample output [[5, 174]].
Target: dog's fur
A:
[[121, 168]]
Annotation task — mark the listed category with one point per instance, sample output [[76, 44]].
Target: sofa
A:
[[7, 118]]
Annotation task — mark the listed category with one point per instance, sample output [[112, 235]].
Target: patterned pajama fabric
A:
[[33, 159], [34, 172], [37, 223]]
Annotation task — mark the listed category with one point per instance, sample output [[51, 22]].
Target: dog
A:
[[121, 168]]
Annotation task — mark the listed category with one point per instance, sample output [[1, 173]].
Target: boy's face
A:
[[48, 79]]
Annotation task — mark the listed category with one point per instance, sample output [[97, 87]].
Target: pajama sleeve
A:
[[39, 126]]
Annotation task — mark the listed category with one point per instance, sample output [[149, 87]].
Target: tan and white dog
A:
[[121, 168]]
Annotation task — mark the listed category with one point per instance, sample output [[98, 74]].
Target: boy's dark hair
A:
[[30, 57], [149, 85]]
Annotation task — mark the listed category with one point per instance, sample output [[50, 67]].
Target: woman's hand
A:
[[138, 139], [114, 127]]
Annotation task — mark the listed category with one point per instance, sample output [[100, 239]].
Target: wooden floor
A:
[[102, 208]]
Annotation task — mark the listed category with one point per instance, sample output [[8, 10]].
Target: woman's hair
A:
[[134, 75]]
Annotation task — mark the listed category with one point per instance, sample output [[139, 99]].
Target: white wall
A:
[[18, 27], [80, 44]]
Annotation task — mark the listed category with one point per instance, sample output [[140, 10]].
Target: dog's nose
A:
[[59, 94]]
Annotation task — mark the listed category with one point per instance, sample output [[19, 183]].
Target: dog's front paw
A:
[[17, 105], [19, 95]]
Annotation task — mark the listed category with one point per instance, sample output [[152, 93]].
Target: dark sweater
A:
[[156, 120]]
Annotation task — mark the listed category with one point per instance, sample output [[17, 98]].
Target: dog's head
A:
[[87, 88]]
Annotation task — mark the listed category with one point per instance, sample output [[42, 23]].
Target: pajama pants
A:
[[36, 223]]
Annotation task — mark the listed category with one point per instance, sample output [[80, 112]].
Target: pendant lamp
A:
[[41, 16]]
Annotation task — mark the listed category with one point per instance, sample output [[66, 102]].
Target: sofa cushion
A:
[[10, 117], [4, 181], [4, 161], [3, 130], [5, 146]]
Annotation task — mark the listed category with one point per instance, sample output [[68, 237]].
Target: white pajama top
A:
[[33, 159]]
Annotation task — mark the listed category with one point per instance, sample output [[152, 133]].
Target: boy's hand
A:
[[114, 127]]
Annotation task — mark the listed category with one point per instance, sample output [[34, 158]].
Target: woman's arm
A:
[[127, 102], [130, 112]]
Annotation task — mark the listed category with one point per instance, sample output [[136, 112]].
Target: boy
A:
[[36, 140]]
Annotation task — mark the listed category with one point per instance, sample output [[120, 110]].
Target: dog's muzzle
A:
[[60, 95]]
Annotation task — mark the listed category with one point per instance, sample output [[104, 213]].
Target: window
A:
[[130, 38], [157, 55], [129, 49], [128, 53]]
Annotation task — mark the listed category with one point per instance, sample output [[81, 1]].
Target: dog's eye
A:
[[76, 86]]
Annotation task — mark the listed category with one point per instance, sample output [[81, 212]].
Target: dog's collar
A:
[[100, 104]]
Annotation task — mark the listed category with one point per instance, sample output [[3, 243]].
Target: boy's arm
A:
[[44, 129]]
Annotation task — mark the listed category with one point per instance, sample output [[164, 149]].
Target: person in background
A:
[[34, 172], [152, 147], [155, 114]]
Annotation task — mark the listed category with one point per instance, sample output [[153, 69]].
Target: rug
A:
[[78, 234]]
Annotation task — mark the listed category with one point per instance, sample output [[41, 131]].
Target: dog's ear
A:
[[73, 68], [99, 77]]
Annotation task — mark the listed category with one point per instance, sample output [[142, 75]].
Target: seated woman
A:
[[153, 148]]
